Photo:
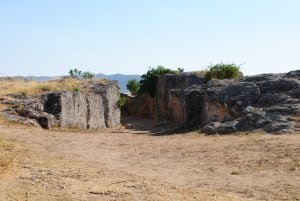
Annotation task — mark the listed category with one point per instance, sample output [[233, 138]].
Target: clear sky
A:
[[48, 37]]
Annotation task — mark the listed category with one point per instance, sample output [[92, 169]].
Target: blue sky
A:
[[48, 37]]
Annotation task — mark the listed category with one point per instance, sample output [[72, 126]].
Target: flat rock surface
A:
[[144, 164]]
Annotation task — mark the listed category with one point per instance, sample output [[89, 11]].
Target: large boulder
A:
[[12, 117], [26, 110], [280, 127], [269, 99], [293, 74], [44, 119], [235, 96], [220, 128], [110, 93], [95, 107], [264, 101], [218, 100], [278, 85], [252, 119], [78, 109], [263, 77]]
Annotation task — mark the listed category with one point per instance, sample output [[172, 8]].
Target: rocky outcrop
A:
[[166, 95], [140, 106], [222, 128], [94, 108], [269, 102]]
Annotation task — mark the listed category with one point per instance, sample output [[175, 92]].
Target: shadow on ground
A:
[[145, 125]]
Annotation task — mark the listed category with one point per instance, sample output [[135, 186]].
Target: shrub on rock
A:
[[148, 81], [223, 71], [133, 86]]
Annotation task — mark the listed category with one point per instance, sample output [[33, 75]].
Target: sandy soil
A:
[[144, 164]]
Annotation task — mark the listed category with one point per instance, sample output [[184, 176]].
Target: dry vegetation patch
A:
[[22, 87], [31, 87], [6, 155]]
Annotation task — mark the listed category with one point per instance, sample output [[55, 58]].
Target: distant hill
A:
[[122, 79], [43, 78]]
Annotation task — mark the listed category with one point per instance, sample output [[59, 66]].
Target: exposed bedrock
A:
[[268, 101], [163, 100], [94, 108], [140, 106]]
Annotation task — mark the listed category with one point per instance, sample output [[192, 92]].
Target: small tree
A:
[[75, 73], [71, 73], [133, 86], [121, 102], [88, 75], [180, 70], [148, 80], [223, 71]]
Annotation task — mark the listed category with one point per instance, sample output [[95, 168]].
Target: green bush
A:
[[75, 73], [223, 71], [133, 86], [148, 80], [88, 75], [122, 101]]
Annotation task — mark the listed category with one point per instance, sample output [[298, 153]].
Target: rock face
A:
[[269, 101], [140, 106], [92, 109], [161, 107], [169, 87]]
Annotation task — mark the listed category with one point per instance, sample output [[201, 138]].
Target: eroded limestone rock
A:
[[257, 102], [95, 108]]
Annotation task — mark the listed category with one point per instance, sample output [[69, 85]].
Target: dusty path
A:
[[135, 165]]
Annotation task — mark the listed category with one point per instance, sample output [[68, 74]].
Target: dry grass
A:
[[31, 87], [5, 162], [6, 145], [5, 121], [6, 156], [200, 72]]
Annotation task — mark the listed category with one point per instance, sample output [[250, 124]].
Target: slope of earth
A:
[[140, 165]]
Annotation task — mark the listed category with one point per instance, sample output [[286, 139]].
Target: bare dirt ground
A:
[[143, 164]]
